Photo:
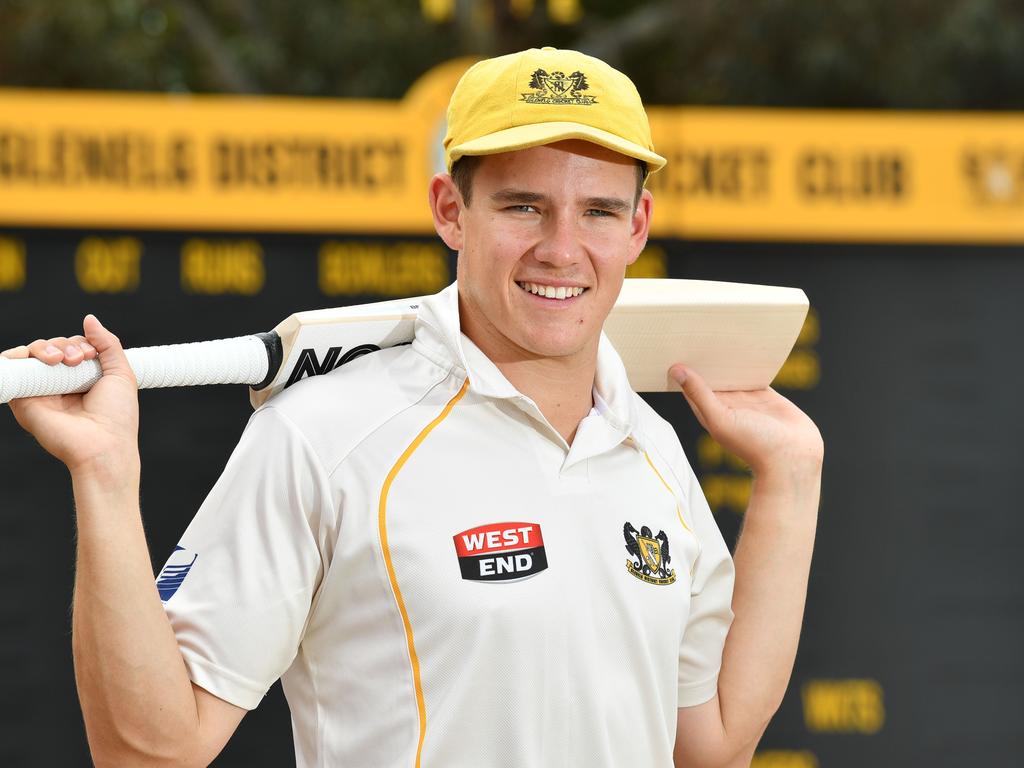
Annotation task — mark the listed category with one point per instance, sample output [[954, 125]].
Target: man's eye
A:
[[599, 212], [523, 208]]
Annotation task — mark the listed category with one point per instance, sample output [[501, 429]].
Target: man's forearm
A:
[[135, 692], [773, 561]]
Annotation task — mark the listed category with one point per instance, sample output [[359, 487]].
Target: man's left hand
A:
[[761, 427]]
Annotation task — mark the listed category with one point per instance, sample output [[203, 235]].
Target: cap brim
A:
[[537, 134]]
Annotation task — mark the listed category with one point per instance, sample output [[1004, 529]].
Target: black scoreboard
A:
[[909, 363]]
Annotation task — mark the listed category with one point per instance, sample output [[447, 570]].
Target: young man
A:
[[482, 549]]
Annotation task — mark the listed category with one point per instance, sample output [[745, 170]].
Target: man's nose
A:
[[560, 244]]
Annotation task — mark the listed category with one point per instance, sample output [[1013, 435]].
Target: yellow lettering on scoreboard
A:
[[862, 175], [356, 268], [843, 706], [728, 173], [106, 159], [108, 264], [217, 267], [272, 163], [652, 262], [12, 264], [785, 758]]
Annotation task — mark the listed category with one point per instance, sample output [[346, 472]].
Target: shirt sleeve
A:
[[700, 653], [239, 587]]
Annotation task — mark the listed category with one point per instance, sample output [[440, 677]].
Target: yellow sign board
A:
[[847, 176], [89, 159], [232, 163]]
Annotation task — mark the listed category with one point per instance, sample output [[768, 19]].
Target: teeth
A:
[[551, 292]]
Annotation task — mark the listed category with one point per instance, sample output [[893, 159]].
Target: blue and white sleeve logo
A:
[[174, 572]]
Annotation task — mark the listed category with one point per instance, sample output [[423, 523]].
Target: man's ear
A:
[[446, 207], [640, 225]]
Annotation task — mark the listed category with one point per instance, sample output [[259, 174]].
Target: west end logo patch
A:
[[501, 551], [174, 572], [558, 88], [650, 556]]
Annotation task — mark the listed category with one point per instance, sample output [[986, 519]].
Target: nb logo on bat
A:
[[501, 552], [309, 363]]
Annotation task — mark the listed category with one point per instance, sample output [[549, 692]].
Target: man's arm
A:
[[139, 705], [784, 450]]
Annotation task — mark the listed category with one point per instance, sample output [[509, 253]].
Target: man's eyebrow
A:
[[517, 197], [610, 204]]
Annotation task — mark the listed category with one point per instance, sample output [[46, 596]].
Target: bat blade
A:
[[735, 335]]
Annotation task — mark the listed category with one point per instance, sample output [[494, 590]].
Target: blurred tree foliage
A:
[[942, 54]]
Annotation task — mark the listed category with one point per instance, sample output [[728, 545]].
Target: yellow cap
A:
[[545, 95]]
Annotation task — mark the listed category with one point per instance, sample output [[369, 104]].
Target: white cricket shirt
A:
[[440, 580]]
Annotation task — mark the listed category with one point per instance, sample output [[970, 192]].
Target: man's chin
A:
[[556, 346]]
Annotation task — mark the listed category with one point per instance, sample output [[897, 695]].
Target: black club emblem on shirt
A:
[[650, 555]]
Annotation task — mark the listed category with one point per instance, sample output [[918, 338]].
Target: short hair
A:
[[464, 168]]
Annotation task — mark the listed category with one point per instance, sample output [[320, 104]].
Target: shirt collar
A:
[[439, 337]]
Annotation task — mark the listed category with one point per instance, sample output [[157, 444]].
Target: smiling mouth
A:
[[552, 292]]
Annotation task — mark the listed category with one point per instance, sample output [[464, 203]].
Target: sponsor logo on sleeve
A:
[[501, 552], [649, 555], [174, 572]]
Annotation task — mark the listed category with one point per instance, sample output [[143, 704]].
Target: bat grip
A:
[[241, 360]]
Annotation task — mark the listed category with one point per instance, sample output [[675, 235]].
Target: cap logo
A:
[[558, 88]]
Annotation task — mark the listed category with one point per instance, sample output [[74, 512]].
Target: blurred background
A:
[[194, 170]]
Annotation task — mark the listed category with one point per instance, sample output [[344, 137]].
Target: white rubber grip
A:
[[241, 360]]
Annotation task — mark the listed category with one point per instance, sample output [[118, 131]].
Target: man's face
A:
[[543, 248]]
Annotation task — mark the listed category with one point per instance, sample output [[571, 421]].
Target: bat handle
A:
[[249, 360]]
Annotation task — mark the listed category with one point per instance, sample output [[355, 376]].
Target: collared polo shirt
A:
[[439, 579]]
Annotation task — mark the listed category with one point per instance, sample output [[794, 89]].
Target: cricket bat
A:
[[735, 335]]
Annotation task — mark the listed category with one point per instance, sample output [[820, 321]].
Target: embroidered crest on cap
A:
[[650, 553], [501, 551], [558, 88]]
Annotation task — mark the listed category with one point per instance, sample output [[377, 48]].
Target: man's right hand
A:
[[139, 705], [94, 432]]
